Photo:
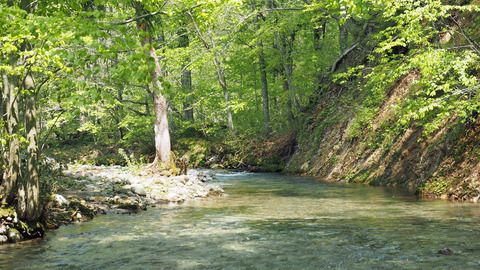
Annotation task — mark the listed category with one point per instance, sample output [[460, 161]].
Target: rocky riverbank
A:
[[85, 191]]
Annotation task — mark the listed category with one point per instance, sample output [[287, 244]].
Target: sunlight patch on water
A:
[[269, 221]]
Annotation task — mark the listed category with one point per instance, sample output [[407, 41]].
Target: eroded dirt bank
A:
[[444, 164]]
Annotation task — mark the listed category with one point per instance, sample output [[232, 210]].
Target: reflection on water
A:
[[269, 221]]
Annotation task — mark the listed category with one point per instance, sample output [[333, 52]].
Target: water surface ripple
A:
[[269, 221]]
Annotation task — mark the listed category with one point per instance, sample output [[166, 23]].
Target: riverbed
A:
[[269, 221]]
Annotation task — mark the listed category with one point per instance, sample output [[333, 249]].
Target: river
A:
[[269, 221]]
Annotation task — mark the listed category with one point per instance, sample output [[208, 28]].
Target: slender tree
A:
[[160, 106]]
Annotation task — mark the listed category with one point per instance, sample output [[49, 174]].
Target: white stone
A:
[[3, 229], [3, 239], [138, 189], [59, 199]]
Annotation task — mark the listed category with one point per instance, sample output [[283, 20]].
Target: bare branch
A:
[[475, 45], [197, 29]]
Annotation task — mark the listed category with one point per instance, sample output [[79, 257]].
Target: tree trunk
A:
[[12, 173], [286, 48], [3, 132], [162, 135], [186, 79], [145, 97], [263, 74], [342, 31], [28, 205], [223, 83], [218, 69], [256, 98], [187, 88]]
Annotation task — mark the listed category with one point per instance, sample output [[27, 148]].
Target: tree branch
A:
[[340, 59], [140, 17], [261, 12], [472, 42], [197, 29]]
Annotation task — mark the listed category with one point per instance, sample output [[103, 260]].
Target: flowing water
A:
[[269, 221]]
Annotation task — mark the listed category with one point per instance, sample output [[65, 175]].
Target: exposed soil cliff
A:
[[444, 164]]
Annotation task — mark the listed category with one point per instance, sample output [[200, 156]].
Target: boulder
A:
[[445, 251], [3, 239], [214, 190], [59, 200], [123, 190], [133, 206], [84, 208], [171, 197], [14, 236], [3, 229], [139, 190], [181, 178]]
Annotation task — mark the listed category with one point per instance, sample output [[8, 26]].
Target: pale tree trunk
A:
[[342, 31], [162, 135], [219, 68], [12, 173], [24, 187], [223, 83]]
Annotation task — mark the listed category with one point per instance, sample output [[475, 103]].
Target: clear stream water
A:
[[269, 221]]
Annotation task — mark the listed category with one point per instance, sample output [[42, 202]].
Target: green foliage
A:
[[133, 164], [443, 75], [49, 172], [93, 75], [436, 186]]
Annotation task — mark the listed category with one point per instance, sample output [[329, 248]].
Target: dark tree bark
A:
[[263, 75], [28, 204], [12, 173], [186, 78]]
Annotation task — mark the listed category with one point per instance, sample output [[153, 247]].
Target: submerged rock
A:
[[214, 190], [445, 251]]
